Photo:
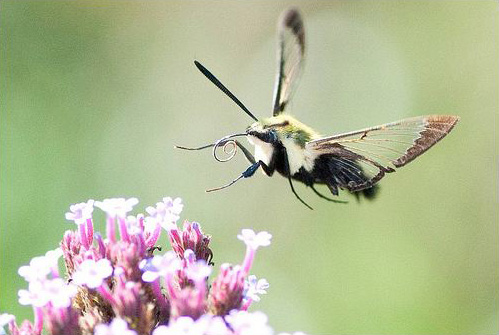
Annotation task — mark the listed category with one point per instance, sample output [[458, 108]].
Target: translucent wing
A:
[[290, 51], [363, 157]]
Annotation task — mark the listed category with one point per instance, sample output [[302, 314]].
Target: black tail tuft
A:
[[368, 193]]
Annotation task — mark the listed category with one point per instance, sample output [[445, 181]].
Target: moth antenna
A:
[[196, 148], [224, 89]]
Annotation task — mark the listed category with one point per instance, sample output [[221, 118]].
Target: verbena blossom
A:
[[122, 283], [116, 327]]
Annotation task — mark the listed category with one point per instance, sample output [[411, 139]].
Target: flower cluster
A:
[[121, 284]]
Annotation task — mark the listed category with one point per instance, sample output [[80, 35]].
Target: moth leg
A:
[[286, 162], [250, 171], [327, 198], [246, 153]]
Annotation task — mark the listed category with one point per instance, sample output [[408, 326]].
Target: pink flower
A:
[[242, 322], [158, 266], [254, 241], [254, 287], [91, 273], [37, 270], [166, 212], [80, 212], [117, 206], [116, 327]]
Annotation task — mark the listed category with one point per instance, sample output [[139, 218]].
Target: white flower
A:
[[116, 327], [80, 212], [198, 271], [117, 206], [55, 291], [53, 256], [166, 212], [252, 240], [37, 270], [59, 293], [159, 266], [92, 273], [245, 323], [5, 319], [254, 287], [205, 325]]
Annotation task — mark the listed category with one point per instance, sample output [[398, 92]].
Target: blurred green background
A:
[[95, 94]]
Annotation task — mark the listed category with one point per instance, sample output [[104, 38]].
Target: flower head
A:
[[147, 290]]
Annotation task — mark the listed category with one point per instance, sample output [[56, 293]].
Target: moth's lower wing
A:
[[290, 52], [378, 150]]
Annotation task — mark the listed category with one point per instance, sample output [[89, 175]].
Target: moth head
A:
[[270, 130]]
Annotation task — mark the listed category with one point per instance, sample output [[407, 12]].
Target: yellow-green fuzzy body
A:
[[287, 127], [292, 134]]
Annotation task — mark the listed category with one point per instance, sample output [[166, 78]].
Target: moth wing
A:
[[290, 52], [364, 156]]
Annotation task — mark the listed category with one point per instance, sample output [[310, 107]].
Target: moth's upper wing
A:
[[366, 155], [290, 52]]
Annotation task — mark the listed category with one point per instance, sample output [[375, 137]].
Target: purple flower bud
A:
[[127, 255], [71, 246], [188, 301], [191, 237], [62, 321], [227, 289]]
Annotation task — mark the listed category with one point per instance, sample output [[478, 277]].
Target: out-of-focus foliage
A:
[[95, 94]]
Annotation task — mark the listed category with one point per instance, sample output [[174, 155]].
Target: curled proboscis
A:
[[228, 146]]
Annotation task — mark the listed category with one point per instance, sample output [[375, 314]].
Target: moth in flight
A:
[[353, 161]]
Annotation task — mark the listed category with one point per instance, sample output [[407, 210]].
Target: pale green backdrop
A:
[[95, 94]]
